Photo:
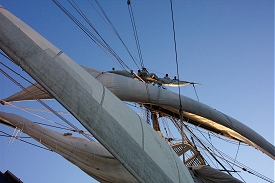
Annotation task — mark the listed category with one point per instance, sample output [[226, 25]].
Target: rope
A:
[[44, 104], [214, 157], [175, 49], [19, 138], [196, 92], [233, 161], [109, 23], [135, 32], [100, 44], [239, 165], [18, 107], [39, 110], [218, 136], [106, 45], [204, 146], [237, 153]]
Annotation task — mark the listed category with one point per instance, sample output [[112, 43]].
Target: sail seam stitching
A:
[[103, 96], [142, 132]]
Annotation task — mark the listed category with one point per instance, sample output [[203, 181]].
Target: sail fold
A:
[[89, 156], [196, 113], [207, 174], [118, 128]]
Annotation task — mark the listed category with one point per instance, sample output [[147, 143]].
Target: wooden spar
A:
[[155, 121]]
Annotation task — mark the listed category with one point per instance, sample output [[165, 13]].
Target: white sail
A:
[[116, 126], [205, 174], [128, 89], [89, 156], [93, 158]]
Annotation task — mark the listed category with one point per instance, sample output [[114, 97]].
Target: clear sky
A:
[[227, 46]]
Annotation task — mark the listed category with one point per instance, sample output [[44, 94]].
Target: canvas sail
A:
[[128, 89], [119, 129], [207, 174], [93, 158], [89, 156]]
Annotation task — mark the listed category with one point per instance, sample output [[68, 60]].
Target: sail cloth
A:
[[34, 91], [118, 128], [128, 89], [195, 112], [89, 156], [207, 174], [93, 158]]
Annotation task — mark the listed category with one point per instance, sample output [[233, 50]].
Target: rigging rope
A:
[[167, 130], [221, 155], [19, 138], [237, 153], [202, 144], [177, 65], [233, 161], [239, 165], [23, 109], [196, 92], [40, 110], [218, 136], [210, 140], [176, 52], [104, 47], [43, 103], [109, 23], [135, 32]]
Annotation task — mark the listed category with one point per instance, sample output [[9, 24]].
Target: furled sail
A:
[[207, 174], [89, 156], [118, 128], [93, 158], [128, 89]]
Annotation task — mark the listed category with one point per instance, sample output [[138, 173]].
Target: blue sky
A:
[[227, 46]]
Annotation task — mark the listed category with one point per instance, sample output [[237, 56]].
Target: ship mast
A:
[[185, 148]]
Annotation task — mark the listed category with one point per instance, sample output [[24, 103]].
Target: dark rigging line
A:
[[196, 92], [135, 32], [2, 71], [239, 165], [177, 65], [21, 108], [62, 128], [221, 156], [45, 105], [108, 47], [137, 42], [175, 45], [91, 35], [113, 28], [8, 135], [191, 133], [215, 135], [80, 12], [236, 153], [176, 52], [211, 143]]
